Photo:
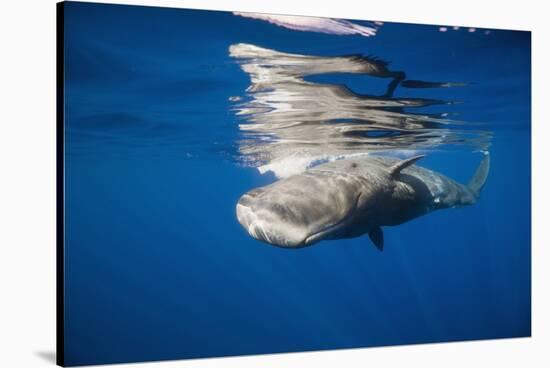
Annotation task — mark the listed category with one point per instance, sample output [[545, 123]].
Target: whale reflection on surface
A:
[[314, 24], [290, 123]]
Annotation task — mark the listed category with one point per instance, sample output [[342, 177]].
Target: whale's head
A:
[[303, 209]]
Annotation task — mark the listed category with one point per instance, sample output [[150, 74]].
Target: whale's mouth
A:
[[332, 229], [287, 215], [259, 229]]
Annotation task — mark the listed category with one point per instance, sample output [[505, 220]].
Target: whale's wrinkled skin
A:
[[349, 198]]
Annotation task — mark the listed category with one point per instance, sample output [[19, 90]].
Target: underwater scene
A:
[[241, 183]]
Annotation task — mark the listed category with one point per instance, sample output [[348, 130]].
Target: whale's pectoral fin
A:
[[396, 168], [377, 237]]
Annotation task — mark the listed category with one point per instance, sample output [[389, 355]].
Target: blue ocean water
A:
[[156, 263]]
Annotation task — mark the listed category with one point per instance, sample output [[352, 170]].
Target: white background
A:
[[27, 183]]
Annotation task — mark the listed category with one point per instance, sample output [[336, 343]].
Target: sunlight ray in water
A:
[[289, 124]]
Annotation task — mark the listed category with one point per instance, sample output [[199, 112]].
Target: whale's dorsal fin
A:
[[377, 237], [396, 168]]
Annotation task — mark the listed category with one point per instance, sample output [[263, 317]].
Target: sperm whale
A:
[[349, 198]]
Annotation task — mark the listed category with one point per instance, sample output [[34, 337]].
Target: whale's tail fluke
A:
[[480, 177]]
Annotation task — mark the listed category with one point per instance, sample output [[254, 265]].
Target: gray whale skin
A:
[[351, 197]]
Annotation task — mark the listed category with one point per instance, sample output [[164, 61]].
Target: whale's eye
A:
[[353, 165]]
